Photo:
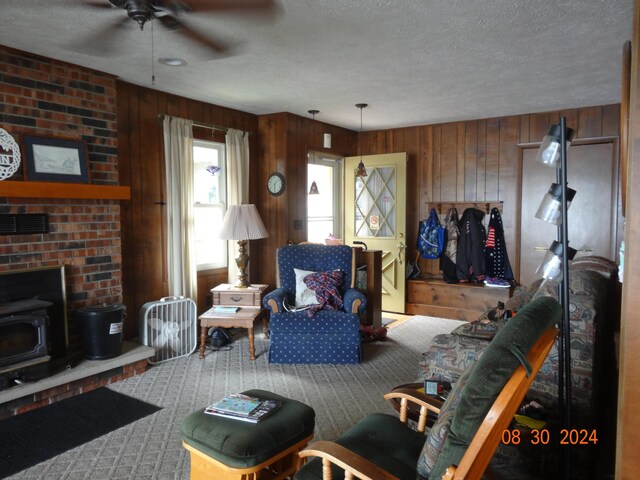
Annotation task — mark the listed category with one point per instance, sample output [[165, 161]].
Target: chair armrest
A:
[[272, 301], [354, 301], [331, 452], [425, 402]]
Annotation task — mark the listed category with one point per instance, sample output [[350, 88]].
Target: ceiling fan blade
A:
[[220, 5], [102, 42], [172, 23], [102, 5]]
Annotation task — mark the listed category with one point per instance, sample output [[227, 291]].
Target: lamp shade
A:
[[549, 151], [551, 266], [242, 222], [550, 209], [361, 171]]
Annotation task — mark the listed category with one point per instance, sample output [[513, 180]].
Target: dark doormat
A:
[[41, 434]]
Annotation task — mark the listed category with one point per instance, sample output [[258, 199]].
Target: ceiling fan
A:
[[167, 11]]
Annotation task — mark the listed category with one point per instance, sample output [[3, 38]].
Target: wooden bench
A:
[[434, 297]]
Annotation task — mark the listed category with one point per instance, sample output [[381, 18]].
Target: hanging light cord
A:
[[153, 56]]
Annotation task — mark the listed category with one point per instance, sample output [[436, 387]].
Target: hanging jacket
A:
[[495, 249], [470, 255], [448, 257]]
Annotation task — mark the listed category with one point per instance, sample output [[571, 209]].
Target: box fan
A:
[[170, 326]]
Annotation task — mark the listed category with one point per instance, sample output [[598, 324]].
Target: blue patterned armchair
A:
[[326, 336]]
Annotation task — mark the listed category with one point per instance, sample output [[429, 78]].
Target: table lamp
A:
[[242, 223]]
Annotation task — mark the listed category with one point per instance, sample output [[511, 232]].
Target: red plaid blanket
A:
[[325, 285]]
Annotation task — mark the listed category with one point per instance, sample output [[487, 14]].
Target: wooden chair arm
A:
[[354, 464], [425, 402]]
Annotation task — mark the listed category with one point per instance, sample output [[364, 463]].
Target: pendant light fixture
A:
[[314, 186], [360, 170]]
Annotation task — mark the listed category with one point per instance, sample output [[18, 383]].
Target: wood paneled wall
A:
[[285, 139], [477, 160], [141, 166]]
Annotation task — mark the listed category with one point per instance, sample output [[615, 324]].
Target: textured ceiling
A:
[[414, 62]]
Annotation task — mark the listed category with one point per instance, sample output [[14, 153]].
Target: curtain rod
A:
[[198, 124]]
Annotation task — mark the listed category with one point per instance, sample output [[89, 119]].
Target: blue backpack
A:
[[430, 237]]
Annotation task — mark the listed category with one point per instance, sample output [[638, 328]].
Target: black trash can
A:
[[102, 330]]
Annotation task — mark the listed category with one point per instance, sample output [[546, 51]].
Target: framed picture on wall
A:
[[50, 159]]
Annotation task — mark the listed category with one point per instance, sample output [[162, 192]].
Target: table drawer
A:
[[241, 299]]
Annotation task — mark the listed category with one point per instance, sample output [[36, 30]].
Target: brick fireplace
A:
[[49, 98]]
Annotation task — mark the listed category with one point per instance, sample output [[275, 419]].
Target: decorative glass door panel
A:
[[375, 206]]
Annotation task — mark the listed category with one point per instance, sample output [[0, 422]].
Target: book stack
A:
[[225, 310], [243, 407]]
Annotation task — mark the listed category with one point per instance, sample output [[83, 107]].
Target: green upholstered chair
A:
[[471, 421]]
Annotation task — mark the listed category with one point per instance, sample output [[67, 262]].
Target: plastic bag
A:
[[431, 236]]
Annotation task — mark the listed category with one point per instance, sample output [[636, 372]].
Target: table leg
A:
[[203, 339], [252, 348]]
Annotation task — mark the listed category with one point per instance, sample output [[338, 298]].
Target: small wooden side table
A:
[[249, 302]]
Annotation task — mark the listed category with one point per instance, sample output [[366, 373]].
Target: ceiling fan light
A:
[[172, 62]]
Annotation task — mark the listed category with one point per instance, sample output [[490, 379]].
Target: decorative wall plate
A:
[[9, 155]]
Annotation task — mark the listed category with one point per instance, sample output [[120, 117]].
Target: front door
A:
[[375, 214]]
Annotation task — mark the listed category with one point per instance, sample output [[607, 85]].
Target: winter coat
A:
[[448, 257], [495, 249], [470, 261]]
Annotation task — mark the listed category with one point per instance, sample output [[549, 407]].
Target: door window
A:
[[324, 212]]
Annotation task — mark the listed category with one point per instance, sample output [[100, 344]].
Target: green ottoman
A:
[[228, 449]]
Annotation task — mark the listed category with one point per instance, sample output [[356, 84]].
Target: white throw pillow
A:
[[304, 295]]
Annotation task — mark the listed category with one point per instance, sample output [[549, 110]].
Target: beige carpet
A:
[[340, 395]]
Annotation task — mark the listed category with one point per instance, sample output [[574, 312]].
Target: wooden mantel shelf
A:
[[63, 190]]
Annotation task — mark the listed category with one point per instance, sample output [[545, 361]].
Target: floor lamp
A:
[[555, 266]]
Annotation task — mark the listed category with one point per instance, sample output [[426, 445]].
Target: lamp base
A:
[[242, 261]]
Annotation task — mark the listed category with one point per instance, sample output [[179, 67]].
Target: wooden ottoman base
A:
[[278, 467]]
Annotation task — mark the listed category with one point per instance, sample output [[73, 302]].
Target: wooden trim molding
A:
[[624, 120], [17, 189], [628, 429]]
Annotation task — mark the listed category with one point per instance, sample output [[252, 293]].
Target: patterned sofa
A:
[[592, 287], [592, 292]]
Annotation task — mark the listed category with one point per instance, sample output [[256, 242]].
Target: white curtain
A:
[[237, 150], [178, 155]]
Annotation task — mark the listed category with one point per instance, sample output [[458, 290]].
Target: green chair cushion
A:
[[240, 444], [380, 438], [491, 372], [438, 432]]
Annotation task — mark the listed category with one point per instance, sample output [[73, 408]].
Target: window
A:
[[210, 203], [324, 210]]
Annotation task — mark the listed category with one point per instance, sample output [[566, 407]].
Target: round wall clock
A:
[[275, 184]]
